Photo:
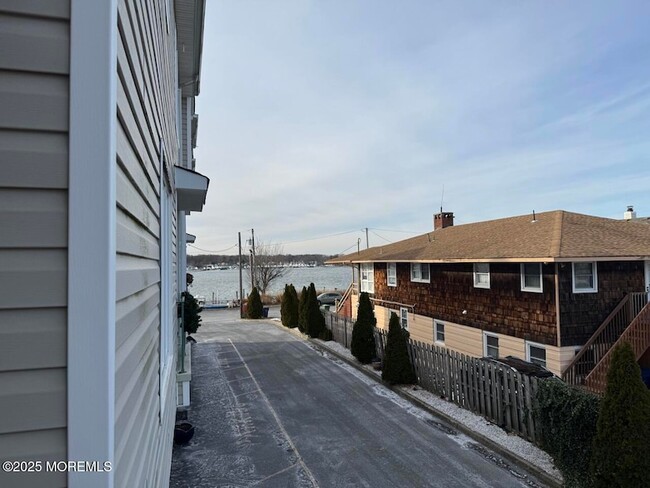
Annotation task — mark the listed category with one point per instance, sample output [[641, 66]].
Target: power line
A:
[[381, 237], [320, 237], [213, 252], [395, 230], [347, 249]]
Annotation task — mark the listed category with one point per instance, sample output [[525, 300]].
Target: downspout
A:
[[557, 305]]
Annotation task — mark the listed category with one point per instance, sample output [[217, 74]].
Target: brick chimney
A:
[[442, 220]]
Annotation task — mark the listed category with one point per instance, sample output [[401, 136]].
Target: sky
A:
[[319, 119]]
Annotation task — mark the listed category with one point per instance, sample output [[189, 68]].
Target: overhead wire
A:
[[213, 252]]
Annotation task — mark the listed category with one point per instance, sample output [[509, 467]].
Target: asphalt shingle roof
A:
[[556, 235]]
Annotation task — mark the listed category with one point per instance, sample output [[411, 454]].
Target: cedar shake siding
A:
[[582, 313], [503, 308]]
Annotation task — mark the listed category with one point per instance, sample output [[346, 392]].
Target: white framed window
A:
[[439, 332], [368, 277], [536, 353], [585, 277], [391, 274], [531, 277], [481, 275], [420, 272], [404, 318], [490, 345]]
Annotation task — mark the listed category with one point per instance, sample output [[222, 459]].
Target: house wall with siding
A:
[[503, 308], [34, 80], [582, 313], [147, 121]]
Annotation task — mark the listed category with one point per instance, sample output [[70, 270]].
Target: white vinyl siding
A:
[[34, 162], [391, 274], [585, 277], [420, 272], [531, 277], [481, 275], [367, 277]]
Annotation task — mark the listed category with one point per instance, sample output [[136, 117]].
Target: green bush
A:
[[191, 313], [363, 331], [254, 310], [397, 368], [293, 308], [303, 302], [326, 335], [285, 304], [315, 319], [621, 448], [566, 424]]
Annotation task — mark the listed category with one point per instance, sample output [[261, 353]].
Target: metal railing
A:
[[601, 342]]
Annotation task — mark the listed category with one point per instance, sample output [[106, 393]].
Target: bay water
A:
[[223, 284]]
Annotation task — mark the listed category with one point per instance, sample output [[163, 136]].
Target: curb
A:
[[505, 453]]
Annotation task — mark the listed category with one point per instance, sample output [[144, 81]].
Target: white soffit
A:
[[191, 189]]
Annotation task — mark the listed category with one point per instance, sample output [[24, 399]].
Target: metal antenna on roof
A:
[[534, 219], [442, 198]]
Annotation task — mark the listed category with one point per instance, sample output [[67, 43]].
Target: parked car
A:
[[329, 298]]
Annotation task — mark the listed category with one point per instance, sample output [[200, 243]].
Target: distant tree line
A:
[[201, 260]]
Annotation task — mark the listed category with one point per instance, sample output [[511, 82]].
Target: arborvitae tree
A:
[[363, 332], [315, 319], [622, 444], [293, 307], [191, 317], [284, 306], [254, 310], [302, 309], [397, 368]]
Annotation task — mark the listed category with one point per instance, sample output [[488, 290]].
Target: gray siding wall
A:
[[146, 107], [34, 75]]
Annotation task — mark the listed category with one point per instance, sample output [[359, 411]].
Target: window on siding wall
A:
[[404, 317], [585, 278], [439, 332], [367, 277], [481, 275], [391, 274], [531, 277], [491, 345], [420, 272], [536, 354]]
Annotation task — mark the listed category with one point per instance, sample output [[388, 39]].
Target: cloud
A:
[[322, 117]]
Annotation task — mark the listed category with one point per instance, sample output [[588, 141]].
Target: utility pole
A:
[[241, 291], [252, 258], [367, 241], [358, 245]]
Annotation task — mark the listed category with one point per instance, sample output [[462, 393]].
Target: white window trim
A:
[[523, 280], [475, 273], [485, 344], [403, 310], [436, 323], [390, 266], [91, 239], [370, 282], [594, 289], [420, 280], [540, 346]]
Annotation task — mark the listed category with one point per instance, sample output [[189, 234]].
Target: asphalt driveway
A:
[[271, 410]]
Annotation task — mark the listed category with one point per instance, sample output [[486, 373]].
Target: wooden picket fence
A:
[[495, 391]]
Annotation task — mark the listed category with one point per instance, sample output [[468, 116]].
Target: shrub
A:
[[396, 367], [302, 309], [192, 311], [621, 448], [566, 424], [315, 319], [363, 331], [285, 305], [326, 335], [254, 310], [293, 308]]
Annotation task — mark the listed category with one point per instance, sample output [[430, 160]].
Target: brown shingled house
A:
[[558, 288]]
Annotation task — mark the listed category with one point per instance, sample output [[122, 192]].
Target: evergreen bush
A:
[[293, 307], [315, 319], [621, 448], [192, 311], [363, 331], [397, 367], [302, 310], [566, 424], [254, 310], [285, 304], [326, 335]]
